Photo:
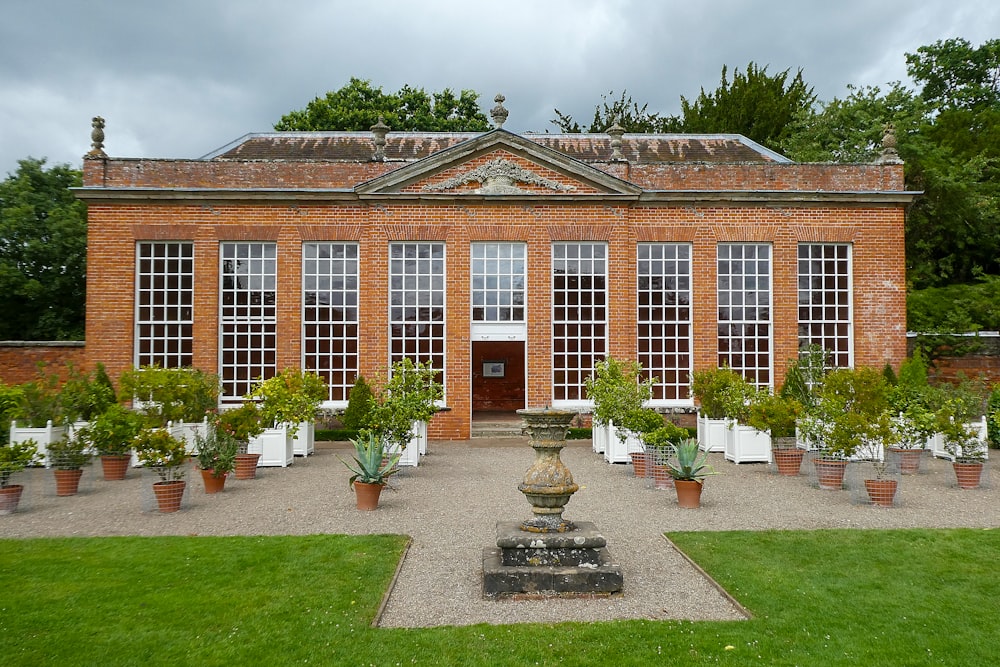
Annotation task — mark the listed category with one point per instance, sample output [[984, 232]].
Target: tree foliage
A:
[[624, 111], [43, 252], [358, 105]]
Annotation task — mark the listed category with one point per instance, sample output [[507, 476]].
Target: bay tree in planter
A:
[[170, 395], [408, 398], [166, 456], [14, 458], [777, 415], [291, 397], [744, 443], [67, 458], [709, 388], [618, 391], [111, 434]]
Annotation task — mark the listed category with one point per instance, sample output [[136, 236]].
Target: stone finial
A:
[[889, 154], [379, 129], [97, 138], [499, 113], [615, 132]]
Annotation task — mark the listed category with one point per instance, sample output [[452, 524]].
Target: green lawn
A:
[[910, 597]]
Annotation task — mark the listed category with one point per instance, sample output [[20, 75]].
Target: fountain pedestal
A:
[[547, 555]]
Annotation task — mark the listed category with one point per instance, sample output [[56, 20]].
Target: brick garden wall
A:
[[19, 359]]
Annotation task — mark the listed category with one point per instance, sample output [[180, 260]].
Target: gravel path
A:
[[451, 503]]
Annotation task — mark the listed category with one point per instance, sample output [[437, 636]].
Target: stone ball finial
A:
[[97, 138], [499, 113], [889, 153], [380, 129], [616, 132]]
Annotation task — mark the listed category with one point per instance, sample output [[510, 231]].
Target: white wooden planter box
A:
[[711, 434], [43, 436], [187, 432], [745, 444], [936, 442], [410, 456], [599, 437], [616, 451], [304, 442], [274, 446]]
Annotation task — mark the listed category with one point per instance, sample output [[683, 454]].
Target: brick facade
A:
[[373, 203]]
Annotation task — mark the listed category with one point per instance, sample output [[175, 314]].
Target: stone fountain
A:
[[546, 555]]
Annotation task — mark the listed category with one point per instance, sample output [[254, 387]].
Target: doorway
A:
[[498, 378]]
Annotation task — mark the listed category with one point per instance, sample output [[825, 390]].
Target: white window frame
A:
[[164, 304], [664, 319], [825, 277], [418, 303], [744, 309]]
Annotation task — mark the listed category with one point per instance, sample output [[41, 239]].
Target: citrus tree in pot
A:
[[111, 435], [216, 458], [962, 441], [170, 395], [67, 457], [709, 389], [241, 424], [291, 397], [618, 392], [167, 456], [371, 467], [777, 415], [14, 458], [409, 397]]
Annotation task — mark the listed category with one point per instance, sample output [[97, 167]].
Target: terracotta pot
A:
[[640, 463], [688, 493], [968, 474], [169, 494], [367, 495], [909, 459], [246, 466], [213, 484], [68, 481], [789, 461], [830, 473], [115, 467], [881, 491], [661, 476], [10, 496]]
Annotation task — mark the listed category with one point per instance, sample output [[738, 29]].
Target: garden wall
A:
[[19, 359]]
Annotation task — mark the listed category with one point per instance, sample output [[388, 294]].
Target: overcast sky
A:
[[180, 78]]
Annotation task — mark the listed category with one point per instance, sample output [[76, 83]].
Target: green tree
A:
[[43, 254], [624, 111], [755, 104], [956, 75], [358, 105]]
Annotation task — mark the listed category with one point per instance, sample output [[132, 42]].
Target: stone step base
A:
[[549, 580]]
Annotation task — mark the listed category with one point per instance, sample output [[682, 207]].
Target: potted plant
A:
[[912, 400], [14, 458], [179, 398], [708, 388], [216, 458], [292, 397], [371, 468], [776, 415], [848, 412], [688, 467], [111, 435], [618, 393], [636, 424], [400, 409], [67, 458], [659, 444], [242, 424], [38, 413], [166, 456], [86, 395], [744, 443], [962, 441]]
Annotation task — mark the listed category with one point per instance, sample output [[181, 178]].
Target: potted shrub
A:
[[744, 443], [688, 467], [618, 393], [292, 397], [776, 415], [399, 411], [216, 458], [371, 468], [242, 424], [86, 395], [708, 388], [176, 397], [166, 456], [38, 414], [111, 435], [14, 458], [849, 412], [67, 458], [962, 441], [659, 445], [912, 400]]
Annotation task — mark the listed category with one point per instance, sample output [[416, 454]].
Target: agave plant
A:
[[371, 464], [687, 463]]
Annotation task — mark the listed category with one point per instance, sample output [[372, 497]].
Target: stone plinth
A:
[[571, 563]]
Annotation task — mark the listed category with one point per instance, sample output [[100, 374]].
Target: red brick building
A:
[[513, 262]]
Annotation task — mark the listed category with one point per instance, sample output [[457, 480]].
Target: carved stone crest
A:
[[498, 177]]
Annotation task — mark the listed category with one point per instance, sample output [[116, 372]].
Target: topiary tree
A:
[[358, 404]]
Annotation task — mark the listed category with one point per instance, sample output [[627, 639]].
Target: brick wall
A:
[[19, 359]]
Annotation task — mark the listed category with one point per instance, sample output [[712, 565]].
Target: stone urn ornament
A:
[[548, 483]]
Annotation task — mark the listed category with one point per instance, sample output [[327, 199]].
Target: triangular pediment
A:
[[497, 163]]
